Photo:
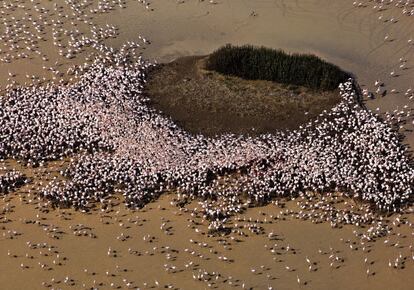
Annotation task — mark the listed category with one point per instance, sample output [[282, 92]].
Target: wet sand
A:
[[350, 37]]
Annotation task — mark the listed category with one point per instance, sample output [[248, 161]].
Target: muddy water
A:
[[350, 37], [163, 246], [353, 38]]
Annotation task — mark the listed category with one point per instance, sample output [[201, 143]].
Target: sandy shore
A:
[[166, 247]]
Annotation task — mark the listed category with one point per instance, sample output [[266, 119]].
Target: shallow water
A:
[[335, 30], [350, 37], [161, 236]]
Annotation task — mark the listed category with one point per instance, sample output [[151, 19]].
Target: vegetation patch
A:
[[260, 63]]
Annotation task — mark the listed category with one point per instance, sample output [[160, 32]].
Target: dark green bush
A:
[[260, 63]]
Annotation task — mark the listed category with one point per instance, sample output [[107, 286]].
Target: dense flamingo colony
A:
[[125, 146], [11, 180]]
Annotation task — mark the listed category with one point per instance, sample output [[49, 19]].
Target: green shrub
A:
[[260, 63]]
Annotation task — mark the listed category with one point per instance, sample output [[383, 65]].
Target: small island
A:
[[244, 90]]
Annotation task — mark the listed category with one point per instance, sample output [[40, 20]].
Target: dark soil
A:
[[207, 102]]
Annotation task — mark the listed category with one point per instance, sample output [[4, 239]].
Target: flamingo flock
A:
[[123, 145]]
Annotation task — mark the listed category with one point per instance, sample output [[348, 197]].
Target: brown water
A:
[[335, 30], [350, 37], [146, 242]]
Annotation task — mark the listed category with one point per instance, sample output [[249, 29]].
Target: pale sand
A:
[[350, 37]]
